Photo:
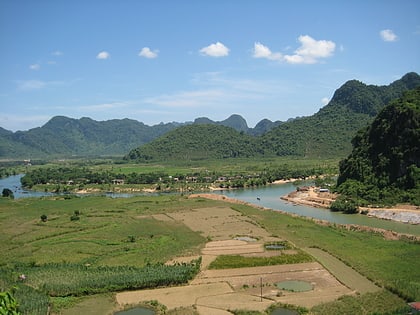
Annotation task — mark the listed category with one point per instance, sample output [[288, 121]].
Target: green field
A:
[[121, 232]]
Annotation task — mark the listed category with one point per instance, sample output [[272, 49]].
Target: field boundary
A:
[[343, 273]]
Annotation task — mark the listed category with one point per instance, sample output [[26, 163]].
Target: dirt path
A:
[[214, 292]]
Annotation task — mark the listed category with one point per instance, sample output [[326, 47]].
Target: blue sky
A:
[[162, 61]]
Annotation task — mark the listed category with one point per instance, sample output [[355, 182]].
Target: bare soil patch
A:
[[311, 196], [217, 291]]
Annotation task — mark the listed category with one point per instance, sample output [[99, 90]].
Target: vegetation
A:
[[63, 279], [384, 166], [381, 302], [8, 304], [237, 173], [387, 263], [237, 261], [324, 134], [328, 132]]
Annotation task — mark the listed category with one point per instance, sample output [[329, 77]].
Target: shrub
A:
[[44, 218]]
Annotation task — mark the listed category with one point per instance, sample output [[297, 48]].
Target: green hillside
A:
[[384, 166], [196, 142], [328, 133]]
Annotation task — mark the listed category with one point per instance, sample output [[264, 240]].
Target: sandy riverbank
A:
[[311, 196]]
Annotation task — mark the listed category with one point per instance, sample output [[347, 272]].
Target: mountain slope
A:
[[328, 132], [384, 165], [195, 142]]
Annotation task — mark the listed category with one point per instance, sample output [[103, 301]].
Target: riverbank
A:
[[387, 234], [312, 196]]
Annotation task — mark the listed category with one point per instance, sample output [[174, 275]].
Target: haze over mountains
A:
[[326, 133]]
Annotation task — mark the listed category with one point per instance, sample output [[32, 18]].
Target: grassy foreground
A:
[[121, 232]]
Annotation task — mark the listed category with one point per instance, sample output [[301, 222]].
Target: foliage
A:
[[197, 142], [7, 193], [388, 263], [384, 166], [329, 131], [344, 205], [381, 302], [237, 261], [44, 218], [8, 304], [76, 280]]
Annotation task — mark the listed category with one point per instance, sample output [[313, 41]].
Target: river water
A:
[[267, 196]]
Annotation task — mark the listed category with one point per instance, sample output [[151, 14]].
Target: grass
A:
[[109, 232], [116, 232], [237, 261], [388, 263], [382, 302]]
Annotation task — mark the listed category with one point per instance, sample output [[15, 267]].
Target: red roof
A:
[[415, 305]]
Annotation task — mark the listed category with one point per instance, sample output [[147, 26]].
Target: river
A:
[[267, 196]]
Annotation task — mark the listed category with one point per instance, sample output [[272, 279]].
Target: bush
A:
[[8, 193], [344, 205], [44, 218]]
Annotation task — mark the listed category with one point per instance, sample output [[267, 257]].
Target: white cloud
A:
[[325, 100], [261, 51], [311, 50], [388, 35], [187, 99], [29, 85], [147, 53], [103, 55], [57, 53], [35, 66], [215, 50]]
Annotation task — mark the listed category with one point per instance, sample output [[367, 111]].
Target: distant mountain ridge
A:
[[64, 136], [326, 133]]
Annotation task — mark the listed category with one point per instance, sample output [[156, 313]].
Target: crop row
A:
[[77, 280]]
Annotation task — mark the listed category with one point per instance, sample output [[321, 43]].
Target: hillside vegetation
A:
[[327, 133], [384, 166]]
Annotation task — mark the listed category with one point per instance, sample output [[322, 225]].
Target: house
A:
[[415, 307], [118, 181]]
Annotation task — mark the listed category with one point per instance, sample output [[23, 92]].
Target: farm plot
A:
[[251, 288]]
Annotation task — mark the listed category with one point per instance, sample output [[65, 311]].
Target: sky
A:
[[177, 60]]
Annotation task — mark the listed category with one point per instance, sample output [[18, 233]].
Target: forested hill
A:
[[330, 130], [328, 133], [384, 165], [197, 142], [325, 134], [64, 136]]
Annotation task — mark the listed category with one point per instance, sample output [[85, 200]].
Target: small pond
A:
[[284, 311], [136, 311], [294, 286]]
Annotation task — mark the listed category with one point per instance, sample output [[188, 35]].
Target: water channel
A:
[[268, 196]]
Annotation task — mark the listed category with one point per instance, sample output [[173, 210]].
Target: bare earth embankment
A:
[[217, 291], [312, 197]]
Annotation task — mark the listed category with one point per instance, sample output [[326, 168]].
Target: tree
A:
[[44, 218], [8, 193]]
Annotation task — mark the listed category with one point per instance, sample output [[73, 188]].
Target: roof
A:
[[415, 305]]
